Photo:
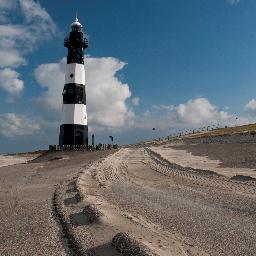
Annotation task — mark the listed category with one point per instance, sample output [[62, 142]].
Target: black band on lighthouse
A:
[[73, 134], [74, 94], [76, 43]]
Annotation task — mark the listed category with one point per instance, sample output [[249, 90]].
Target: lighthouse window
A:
[[71, 75]]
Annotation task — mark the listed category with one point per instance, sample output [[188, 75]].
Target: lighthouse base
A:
[[73, 134]]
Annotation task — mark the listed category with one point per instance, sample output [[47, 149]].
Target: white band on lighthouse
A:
[[75, 73], [74, 114]]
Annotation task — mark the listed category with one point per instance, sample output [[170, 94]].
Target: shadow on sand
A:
[[72, 187], [72, 200], [105, 249], [79, 219]]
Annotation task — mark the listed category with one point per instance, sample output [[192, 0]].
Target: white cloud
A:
[[251, 106], [136, 101], [201, 111], [37, 19], [193, 113], [10, 82], [32, 10], [13, 125], [106, 94], [9, 31], [198, 111], [18, 39], [52, 77], [11, 58]]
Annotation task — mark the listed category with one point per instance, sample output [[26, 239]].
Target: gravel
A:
[[26, 190], [216, 214]]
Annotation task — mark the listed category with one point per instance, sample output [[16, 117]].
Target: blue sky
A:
[[167, 64]]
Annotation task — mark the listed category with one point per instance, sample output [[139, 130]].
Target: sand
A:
[[74, 203], [10, 160], [180, 155], [171, 210], [28, 225]]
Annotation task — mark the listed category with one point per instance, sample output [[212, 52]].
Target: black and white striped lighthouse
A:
[[74, 128]]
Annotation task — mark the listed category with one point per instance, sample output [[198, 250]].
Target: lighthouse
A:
[[74, 128]]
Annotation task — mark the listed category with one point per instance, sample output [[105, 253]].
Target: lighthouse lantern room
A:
[[74, 128]]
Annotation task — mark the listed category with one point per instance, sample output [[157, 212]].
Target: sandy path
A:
[[171, 211], [114, 171], [26, 190], [187, 159]]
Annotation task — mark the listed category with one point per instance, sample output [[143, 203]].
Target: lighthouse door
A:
[[79, 138]]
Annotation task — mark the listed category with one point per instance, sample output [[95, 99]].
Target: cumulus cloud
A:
[[198, 111], [251, 106], [193, 113], [51, 76], [13, 125], [201, 111], [106, 94], [17, 40], [10, 82], [107, 97]]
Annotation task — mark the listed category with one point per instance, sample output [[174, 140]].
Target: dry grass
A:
[[243, 129]]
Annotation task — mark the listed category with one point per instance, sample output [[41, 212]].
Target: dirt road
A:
[[75, 203], [27, 223], [171, 209]]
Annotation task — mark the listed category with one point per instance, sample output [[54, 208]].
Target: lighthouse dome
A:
[[76, 25]]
